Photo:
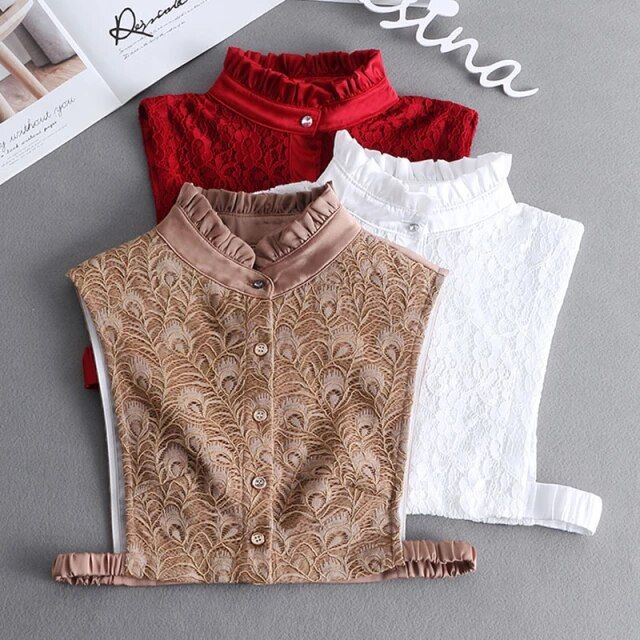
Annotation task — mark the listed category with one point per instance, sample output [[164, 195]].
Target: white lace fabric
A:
[[475, 416]]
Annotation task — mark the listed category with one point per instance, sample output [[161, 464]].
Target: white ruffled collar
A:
[[435, 195]]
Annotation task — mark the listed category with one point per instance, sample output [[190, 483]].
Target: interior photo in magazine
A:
[[35, 57]]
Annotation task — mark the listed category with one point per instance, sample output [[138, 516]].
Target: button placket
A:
[[260, 424]]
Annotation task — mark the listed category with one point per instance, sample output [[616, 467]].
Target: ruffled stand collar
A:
[[304, 94], [310, 80], [440, 195], [298, 233]]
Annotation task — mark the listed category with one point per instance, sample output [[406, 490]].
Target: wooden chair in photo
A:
[[9, 20]]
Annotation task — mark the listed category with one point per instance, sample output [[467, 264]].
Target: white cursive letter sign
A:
[[450, 8]]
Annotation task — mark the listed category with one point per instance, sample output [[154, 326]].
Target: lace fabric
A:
[[192, 138], [474, 449], [262, 412], [247, 133]]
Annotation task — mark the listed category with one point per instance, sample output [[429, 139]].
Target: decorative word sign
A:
[[449, 8]]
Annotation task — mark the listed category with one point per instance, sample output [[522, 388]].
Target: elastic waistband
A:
[[565, 508], [422, 559]]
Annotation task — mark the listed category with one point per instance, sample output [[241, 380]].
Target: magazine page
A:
[[133, 43], [64, 64], [49, 90]]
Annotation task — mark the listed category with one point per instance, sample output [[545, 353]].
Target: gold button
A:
[[261, 349], [257, 539], [259, 482], [260, 415]]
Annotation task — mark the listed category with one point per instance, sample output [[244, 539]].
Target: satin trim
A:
[[97, 569], [320, 230], [422, 559], [336, 89]]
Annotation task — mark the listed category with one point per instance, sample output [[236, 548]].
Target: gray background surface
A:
[[576, 152]]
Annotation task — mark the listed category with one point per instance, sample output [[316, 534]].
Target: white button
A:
[[306, 121], [260, 415], [259, 482], [257, 539], [414, 227], [261, 349]]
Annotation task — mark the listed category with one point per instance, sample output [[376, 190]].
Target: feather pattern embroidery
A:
[[322, 418]]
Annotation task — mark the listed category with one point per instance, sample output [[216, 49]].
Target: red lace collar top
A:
[[270, 119]]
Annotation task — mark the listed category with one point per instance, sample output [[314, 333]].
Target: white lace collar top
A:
[[473, 454], [434, 194]]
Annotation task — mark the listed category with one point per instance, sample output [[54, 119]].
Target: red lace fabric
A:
[[271, 119]]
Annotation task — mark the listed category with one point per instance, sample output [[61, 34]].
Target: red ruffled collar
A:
[[305, 93], [311, 80]]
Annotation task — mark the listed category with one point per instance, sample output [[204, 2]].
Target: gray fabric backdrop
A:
[[575, 149]]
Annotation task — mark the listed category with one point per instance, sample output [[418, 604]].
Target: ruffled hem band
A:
[[422, 559]]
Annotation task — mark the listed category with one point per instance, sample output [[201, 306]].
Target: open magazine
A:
[[64, 64]]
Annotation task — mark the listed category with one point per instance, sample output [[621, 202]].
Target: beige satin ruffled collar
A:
[[260, 244]]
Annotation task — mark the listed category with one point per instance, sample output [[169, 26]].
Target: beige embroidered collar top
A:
[[260, 354]]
